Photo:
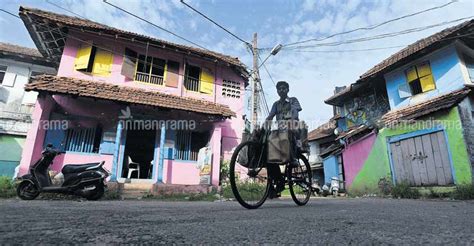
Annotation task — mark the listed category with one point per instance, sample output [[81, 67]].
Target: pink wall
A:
[[183, 173], [35, 136], [187, 172], [222, 72], [354, 156], [226, 134], [81, 158]]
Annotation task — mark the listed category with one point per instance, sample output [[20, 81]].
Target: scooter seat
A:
[[73, 168]]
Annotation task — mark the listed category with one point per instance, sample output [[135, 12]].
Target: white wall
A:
[[12, 93], [314, 152]]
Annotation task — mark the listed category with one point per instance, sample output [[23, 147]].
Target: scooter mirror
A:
[[50, 145]]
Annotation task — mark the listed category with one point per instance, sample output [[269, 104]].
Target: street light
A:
[[273, 52]]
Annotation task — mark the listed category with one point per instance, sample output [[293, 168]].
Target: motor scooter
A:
[[86, 180], [315, 188], [331, 188]]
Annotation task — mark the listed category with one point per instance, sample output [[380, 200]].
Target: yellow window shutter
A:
[[411, 74], [423, 69], [82, 57], [427, 83], [102, 63], [207, 81]]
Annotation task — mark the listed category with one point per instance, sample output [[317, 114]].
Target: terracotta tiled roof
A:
[[421, 109], [324, 130], [107, 91], [354, 130], [418, 46], [11, 50], [15, 49], [69, 21], [406, 53]]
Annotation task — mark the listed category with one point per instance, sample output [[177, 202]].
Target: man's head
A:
[[282, 89]]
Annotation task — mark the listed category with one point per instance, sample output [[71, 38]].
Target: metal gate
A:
[[422, 160]]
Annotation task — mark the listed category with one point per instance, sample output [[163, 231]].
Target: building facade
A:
[[147, 107], [17, 65], [423, 134]]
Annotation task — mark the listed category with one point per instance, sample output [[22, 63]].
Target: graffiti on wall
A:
[[366, 109]]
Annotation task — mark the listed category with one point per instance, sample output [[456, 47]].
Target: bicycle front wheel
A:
[[248, 175], [300, 181]]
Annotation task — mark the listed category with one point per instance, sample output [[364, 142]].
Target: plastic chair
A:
[[132, 166]]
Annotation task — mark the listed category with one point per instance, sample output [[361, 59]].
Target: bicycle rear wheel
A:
[[248, 175], [299, 181]]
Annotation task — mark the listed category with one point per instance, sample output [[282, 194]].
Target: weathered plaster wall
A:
[[10, 153], [355, 155], [466, 112], [366, 108], [446, 70], [331, 168], [377, 163], [231, 128], [12, 93]]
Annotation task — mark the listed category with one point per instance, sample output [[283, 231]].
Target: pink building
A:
[[143, 105]]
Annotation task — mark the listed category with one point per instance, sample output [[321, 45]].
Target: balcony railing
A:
[[147, 78], [191, 84]]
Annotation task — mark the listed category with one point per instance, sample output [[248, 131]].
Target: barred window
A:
[[188, 143], [86, 140]]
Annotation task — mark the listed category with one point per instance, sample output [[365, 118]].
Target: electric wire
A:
[[65, 9], [342, 51], [373, 26], [153, 24], [215, 23], [379, 36], [266, 70], [57, 31]]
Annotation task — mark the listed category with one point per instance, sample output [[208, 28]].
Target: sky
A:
[[312, 72]]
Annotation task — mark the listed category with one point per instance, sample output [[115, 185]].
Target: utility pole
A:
[[255, 82]]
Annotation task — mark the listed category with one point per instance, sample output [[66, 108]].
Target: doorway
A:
[[139, 154], [422, 160]]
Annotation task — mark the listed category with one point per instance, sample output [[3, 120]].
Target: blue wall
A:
[[446, 69], [331, 168]]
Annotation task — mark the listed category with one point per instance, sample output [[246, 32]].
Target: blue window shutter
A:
[[54, 137]]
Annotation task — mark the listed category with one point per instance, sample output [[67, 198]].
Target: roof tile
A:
[[100, 90], [421, 109]]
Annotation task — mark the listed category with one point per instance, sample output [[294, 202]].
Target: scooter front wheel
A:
[[27, 190]]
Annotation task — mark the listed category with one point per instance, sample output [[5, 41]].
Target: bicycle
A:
[[250, 180]]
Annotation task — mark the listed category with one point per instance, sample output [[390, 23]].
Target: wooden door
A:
[[422, 160]]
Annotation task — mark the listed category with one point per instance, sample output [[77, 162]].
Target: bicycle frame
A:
[[257, 166]]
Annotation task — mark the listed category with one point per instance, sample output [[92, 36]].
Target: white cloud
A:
[[312, 76]]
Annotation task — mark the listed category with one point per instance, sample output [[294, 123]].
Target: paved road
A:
[[322, 221]]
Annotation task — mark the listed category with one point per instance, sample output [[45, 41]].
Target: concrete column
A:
[[216, 154], [35, 137], [118, 136], [161, 161]]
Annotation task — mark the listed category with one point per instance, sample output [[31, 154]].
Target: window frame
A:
[[186, 73], [91, 63], [415, 85], [190, 151], [149, 73], [469, 66], [91, 134], [4, 73]]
